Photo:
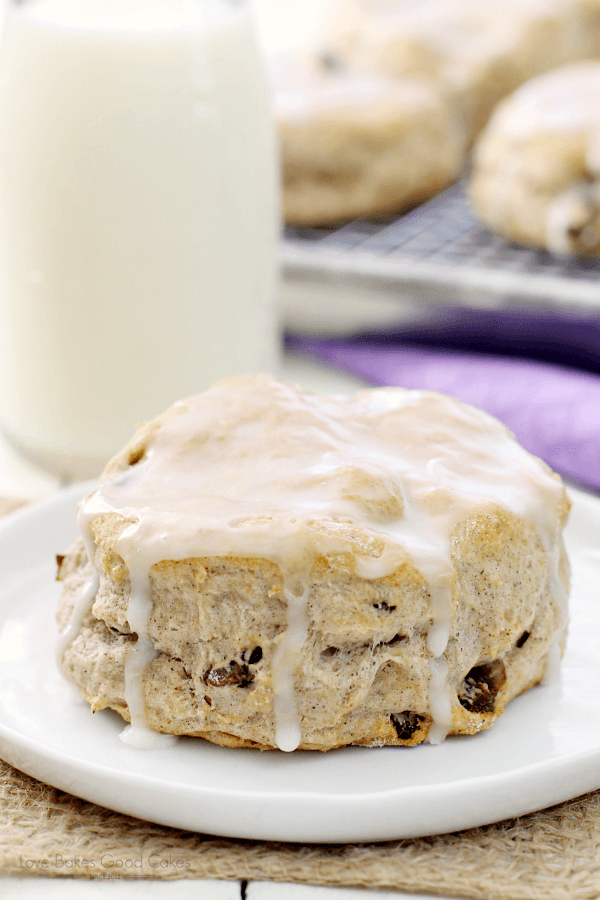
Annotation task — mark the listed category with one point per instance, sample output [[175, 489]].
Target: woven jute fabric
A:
[[548, 855]]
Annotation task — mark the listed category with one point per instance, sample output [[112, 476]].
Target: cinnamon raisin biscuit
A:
[[355, 144], [261, 567], [475, 52], [536, 174]]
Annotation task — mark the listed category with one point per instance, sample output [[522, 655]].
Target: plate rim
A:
[[35, 754]]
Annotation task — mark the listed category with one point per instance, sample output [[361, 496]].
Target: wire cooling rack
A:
[[376, 270]]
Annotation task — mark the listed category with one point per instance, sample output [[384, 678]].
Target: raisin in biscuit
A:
[[264, 568], [536, 174]]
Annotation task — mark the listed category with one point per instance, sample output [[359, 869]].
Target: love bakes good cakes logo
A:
[[108, 863]]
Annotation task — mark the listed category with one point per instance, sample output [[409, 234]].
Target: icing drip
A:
[[139, 610], [254, 468], [287, 723], [439, 700], [86, 598], [138, 734], [440, 592]]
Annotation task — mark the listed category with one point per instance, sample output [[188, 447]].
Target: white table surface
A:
[[74, 889], [20, 480]]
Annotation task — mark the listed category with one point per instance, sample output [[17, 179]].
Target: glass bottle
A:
[[138, 217]]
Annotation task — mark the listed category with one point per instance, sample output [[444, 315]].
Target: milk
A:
[[138, 216]]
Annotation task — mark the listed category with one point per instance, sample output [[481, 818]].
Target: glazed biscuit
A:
[[264, 568], [536, 171]]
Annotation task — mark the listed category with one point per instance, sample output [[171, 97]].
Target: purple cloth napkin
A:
[[552, 410], [553, 336]]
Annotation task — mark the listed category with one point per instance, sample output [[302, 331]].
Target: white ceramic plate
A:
[[544, 749]]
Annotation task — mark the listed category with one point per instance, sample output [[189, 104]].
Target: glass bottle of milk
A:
[[138, 216]]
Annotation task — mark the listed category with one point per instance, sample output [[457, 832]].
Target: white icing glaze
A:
[[251, 467], [439, 700], [563, 100], [309, 91], [288, 734], [138, 735], [84, 602], [322, 91]]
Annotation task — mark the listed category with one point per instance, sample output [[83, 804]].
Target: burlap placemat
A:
[[549, 855]]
